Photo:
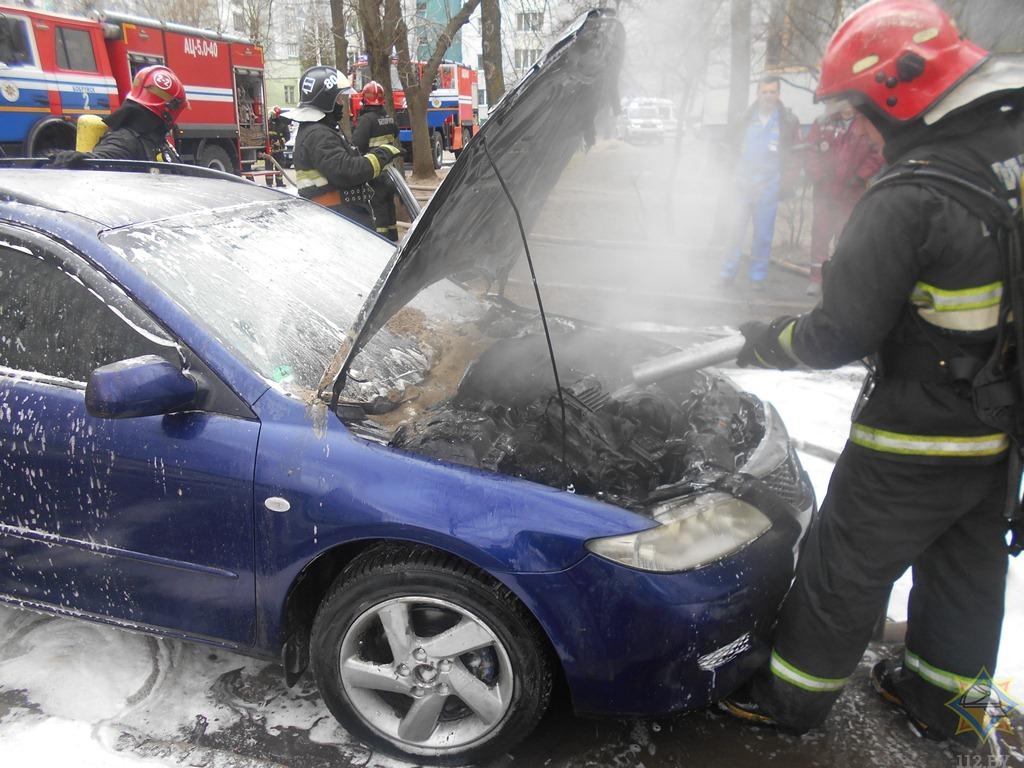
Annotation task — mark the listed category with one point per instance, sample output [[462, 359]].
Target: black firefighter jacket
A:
[[326, 163], [915, 281], [374, 128], [134, 133]]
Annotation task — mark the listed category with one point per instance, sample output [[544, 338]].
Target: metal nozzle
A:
[[698, 356]]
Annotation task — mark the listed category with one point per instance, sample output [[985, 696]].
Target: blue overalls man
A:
[[763, 173]]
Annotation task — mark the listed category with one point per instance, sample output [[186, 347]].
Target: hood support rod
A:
[[536, 286]]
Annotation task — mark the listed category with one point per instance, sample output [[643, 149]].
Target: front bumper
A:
[[639, 643]]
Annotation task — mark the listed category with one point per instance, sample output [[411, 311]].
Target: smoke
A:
[[632, 235]]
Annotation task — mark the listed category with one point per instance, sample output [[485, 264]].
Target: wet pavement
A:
[[201, 707]]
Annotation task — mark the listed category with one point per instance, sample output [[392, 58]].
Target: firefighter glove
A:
[[380, 156], [69, 158], [767, 344]]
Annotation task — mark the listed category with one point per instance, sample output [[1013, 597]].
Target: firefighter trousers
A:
[[383, 207], [878, 518]]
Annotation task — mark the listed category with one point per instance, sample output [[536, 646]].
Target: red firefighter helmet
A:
[[373, 94], [160, 91], [902, 56]]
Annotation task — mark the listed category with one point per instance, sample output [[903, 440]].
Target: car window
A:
[[51, 323]]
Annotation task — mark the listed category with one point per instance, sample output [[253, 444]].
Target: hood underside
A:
[[470, 226]]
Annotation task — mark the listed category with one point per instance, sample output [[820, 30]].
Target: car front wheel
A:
[[423, 656]]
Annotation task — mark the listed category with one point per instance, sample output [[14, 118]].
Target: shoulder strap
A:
[[964, 187]]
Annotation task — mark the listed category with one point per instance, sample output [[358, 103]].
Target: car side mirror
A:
[[140, 386]]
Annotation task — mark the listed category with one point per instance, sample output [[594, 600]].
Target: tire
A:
[[52, 139], [214, 156], [400, 691], [436, 149]]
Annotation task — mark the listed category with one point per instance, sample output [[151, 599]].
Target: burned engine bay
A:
[[481, 393]]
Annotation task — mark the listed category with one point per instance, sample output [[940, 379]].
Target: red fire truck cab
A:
[[54, 68]]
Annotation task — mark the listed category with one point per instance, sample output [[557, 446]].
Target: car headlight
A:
[[692, 532]]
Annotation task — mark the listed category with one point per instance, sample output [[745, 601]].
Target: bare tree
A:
[[338, 30], [798, 31], [494, 75], [255, 17], [417, 88], [739, 58], [194, 13], [316, 44], [379, 22]]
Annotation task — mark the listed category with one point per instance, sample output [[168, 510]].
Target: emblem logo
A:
[[163, 81], [984, 706]]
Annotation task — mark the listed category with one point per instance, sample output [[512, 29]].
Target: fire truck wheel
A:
[[215, 157], [436, 148]]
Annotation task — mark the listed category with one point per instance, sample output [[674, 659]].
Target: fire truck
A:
[[54, 68], [451, 107]]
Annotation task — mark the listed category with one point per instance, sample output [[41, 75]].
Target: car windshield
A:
[[279, 283], [643, 113]]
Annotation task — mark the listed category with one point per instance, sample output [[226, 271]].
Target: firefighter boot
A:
[[884, 679], [744, 704]]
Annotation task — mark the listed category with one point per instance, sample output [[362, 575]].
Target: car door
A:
[[142, 520]]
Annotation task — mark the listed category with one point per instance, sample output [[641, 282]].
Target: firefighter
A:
[[279, 129], [374, 128], [916, 282], [137, 130], [328, 169]]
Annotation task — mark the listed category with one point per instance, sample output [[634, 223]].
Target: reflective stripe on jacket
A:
[[916, 283], [965, 309]]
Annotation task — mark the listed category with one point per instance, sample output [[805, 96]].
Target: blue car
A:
[[230, 416]]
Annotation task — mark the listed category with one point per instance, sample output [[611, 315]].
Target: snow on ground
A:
[[816, 407]]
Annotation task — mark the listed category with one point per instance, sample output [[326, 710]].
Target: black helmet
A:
[[320, 86]]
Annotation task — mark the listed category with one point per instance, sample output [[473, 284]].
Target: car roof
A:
[[111, 199]]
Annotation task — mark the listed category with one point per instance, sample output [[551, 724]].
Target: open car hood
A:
[[469, 226]]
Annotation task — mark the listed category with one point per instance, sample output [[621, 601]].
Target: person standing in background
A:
[[844, 152], [278, 127], [765, 172]]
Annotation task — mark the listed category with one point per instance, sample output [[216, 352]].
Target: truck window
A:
[[14, 48], [74, 50], [448, 76]]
